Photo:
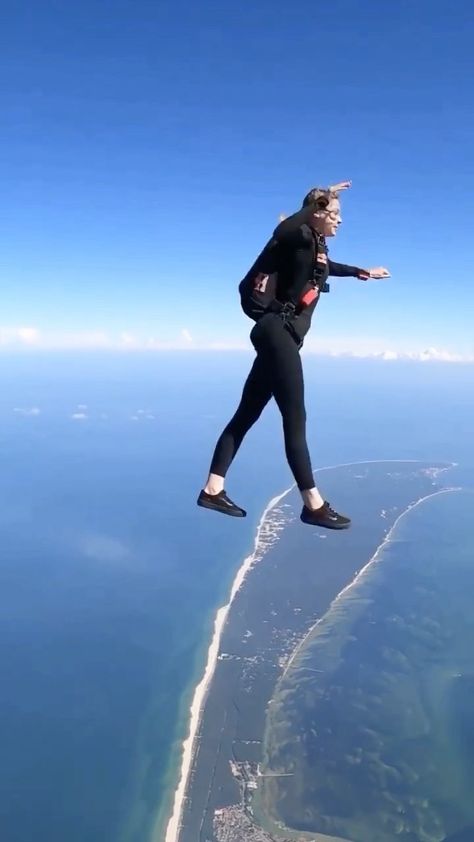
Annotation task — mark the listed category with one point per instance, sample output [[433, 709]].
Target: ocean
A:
[[111, 575], [375, 715]]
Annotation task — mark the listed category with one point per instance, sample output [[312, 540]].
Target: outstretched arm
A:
[[341, 270]]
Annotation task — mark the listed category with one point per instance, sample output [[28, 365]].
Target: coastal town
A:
[[233, 824]]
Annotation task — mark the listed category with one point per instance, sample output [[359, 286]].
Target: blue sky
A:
[[147, 149]]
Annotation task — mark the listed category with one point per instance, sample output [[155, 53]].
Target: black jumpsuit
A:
[[277, 371]]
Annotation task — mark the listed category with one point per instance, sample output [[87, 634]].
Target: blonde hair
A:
[[320, 197]]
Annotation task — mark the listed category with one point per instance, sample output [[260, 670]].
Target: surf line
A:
[[373, 559]]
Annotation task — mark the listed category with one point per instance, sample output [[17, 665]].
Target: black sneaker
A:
[[324, 516], [220, 503]]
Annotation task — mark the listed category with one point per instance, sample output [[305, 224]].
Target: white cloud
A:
[[77, 340], [430, 354], [143, 414], [29, 335], [19, 336], [104, 548], [79, 416], [437, 354], [34, 410], [126, 341], [371, 349]]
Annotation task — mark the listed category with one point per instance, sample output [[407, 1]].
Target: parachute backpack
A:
[[258, 288]]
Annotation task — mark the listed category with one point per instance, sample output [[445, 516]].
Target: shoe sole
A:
[[220, 509], [325, 525]]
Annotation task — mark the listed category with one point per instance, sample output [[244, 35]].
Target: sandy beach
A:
[[261, 543]]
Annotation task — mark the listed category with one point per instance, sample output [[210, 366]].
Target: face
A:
[[327, 221]]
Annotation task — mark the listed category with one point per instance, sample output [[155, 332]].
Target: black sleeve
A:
[[341, 270]]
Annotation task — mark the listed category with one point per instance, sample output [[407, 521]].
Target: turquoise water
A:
[[375, 717]]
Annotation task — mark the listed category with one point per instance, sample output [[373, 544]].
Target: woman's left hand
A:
[[375, 273], [341, 185]]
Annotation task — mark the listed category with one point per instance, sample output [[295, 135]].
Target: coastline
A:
[[199, 697], [365, 568], [410, 578]]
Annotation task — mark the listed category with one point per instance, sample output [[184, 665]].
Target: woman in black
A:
[[299, 251]]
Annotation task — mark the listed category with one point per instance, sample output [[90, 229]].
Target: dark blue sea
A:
[[110, 575]]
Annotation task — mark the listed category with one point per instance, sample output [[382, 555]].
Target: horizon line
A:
[[385, 355]]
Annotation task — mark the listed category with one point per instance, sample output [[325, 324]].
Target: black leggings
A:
[[277, 372]]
